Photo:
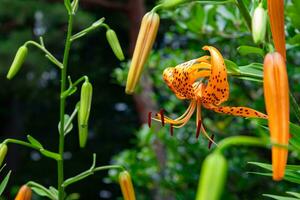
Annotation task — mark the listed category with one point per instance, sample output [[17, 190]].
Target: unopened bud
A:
[[85, 103], [82, 132], [24, 193], [145, 40], [114, 44], [212, 177], [259, 24], [126, 186], [3, 152], [18, 62]]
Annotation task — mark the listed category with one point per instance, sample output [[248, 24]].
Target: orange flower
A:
[[24, 193], [276, 92], [185, 81], [276, 14]]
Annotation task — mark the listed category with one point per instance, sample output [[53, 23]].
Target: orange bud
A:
[[276, 92], [145, 40], [276, 14], [24, 193], [126, 186]]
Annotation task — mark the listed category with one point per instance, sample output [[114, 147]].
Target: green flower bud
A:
[[82, 133], [259, 24], [85, 103], [18, 61], [114, 44], [3, 151], [212, 177]]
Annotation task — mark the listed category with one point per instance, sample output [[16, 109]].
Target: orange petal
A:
[[217, 89], [276, 14], [237, 111], [24, 193], [276, 92]]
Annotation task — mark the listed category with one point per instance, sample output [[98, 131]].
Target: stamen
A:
[[210, 141], [149, 119], [171, 129], [198, 129], [162, 117]]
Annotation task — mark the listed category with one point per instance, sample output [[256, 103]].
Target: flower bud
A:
[[85, 103], [259, 24], [82, 133], [276, 93], [114, 44], [126, 186], [18, 61], [276, 14], [145, 40], [3, 152], [24, 193], [212, 177]]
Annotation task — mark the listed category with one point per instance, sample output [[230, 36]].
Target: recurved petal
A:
[[276, 93], [217, 89]]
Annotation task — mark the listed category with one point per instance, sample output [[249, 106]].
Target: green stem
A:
[[89, 172], [243, 9], [26, 144], [241, 140], [48, 54], [60, 163]]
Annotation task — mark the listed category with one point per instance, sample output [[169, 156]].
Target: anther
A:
[[149, 119], [210, 141], [198, 129], [171, 129], [162, 117]]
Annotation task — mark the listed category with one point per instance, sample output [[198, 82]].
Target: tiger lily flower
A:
[[276, 92], [184, 80], [276, 14]]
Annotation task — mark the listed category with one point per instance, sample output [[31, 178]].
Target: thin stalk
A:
[[60, 163], [241, 141], [243, 9]]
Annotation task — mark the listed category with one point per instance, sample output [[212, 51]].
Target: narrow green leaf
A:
[[4, 182], [295, 194], [294, 106], [66, 121], [279, 197], [34, 142], [245, 50]]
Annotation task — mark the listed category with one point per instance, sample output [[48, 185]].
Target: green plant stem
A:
[[241, 140], [26, 144], [60, 163], [48, 54], [243, 9], [89, 172]]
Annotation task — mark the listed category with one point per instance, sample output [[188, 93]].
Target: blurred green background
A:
[[162, 167]]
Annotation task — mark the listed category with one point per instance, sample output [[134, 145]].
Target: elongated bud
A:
[[82, 131], [85, 103], [276, 14], [126, 186], [212, 177], [24, 193], [145, 40], [259, 24], [114, 44], [18, 62], [276, 92], [3, 152]]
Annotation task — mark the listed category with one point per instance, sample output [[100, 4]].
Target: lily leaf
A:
[[34, 142], [245, 50], [4, 182]]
